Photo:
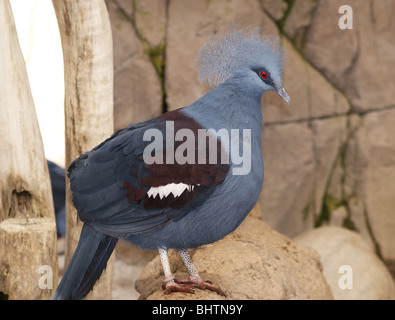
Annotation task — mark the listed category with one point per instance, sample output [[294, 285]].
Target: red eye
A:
[[263, 75]]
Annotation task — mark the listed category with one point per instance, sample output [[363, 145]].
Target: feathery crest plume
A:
[[224, 53]]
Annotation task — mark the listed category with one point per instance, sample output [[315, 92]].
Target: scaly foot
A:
[[199, 283], [172, 286]]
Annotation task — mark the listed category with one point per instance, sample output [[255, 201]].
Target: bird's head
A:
[[245, 55]]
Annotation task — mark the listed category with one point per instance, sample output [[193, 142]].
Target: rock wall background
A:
[[329, 156]]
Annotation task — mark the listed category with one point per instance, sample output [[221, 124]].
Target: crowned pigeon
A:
[[184, 179]]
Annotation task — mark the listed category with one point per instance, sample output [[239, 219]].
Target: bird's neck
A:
[[239, 117], [227, 106]]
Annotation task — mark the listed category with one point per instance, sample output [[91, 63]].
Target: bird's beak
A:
[[283, 94]]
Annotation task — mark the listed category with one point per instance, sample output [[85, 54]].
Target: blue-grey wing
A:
[[110, 184]]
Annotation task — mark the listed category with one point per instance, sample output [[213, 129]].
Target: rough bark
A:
[[28, 255], [24, 180], [88, 65]]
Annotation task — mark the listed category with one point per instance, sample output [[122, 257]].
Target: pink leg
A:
[[194, 277], [184, 285], [170, 285]]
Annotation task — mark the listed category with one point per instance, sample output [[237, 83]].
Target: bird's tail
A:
[[87, 264]]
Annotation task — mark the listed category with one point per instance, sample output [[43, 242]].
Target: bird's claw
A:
[[200, 284], [176, 287]]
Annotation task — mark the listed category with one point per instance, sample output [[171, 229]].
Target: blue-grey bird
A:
[[58, 184], [160, 183]]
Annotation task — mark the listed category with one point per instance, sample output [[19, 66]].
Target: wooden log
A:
[[88, 65], [28, 268], [25, 188]]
